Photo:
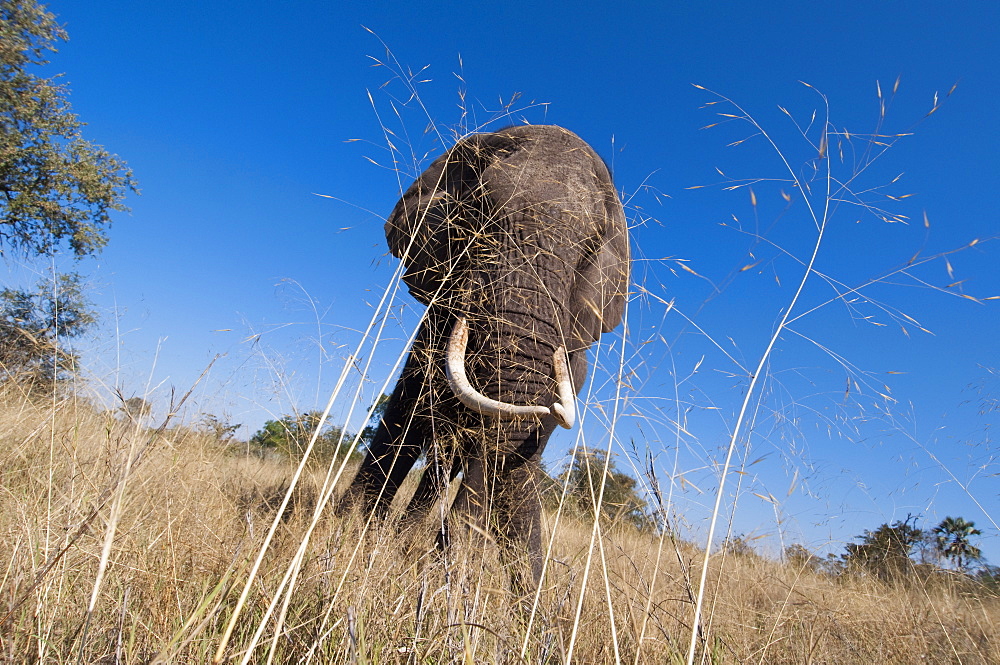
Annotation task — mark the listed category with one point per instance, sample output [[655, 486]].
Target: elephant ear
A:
[[430, 227], [419, 229], [602, 280]]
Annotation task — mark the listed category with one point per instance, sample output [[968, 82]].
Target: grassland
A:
[[124, 544]]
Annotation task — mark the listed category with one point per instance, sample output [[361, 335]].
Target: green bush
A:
[[290, 436], [621, 501]]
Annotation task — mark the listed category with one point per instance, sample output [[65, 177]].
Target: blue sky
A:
[[236, 116]]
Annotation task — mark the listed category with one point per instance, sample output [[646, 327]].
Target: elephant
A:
[[516, 241]]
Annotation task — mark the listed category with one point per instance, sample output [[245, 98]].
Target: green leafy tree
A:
[[738, 546], [833, 565], [34, 326], [290, 437], [368, 433], [885, 552], [621, 501], [56, 188], [952, 540], [221, 428], [989, 577], [136, 408], [798, 556]]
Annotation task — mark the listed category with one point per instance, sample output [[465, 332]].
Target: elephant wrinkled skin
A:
[[517, 243]]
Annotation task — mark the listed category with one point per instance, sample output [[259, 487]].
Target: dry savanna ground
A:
[[123, 544]]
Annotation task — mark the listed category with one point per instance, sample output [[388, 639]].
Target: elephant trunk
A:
[[563, 410]]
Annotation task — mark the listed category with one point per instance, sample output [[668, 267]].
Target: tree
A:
[[56, 188], [885, 552], [989, 577], [220, 428], [32, 323], [798, 556], [952, 541], [290, 437], [378, 410], [738, 546], [620, 502], [136, 408]]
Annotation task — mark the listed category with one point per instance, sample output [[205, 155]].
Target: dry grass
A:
[[190, 517]]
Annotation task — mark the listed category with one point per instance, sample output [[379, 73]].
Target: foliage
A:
[[378, 410], [220, 428], [799, 556], [832, 565], [55, 187], [885, 552], [290, 437], [989, 578], [951, 538], [136, 408], [621, 501], [32, 326], [738, 546]]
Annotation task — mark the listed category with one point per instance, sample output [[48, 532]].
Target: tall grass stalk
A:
[[348, 366], [820, 220], [598, 502]]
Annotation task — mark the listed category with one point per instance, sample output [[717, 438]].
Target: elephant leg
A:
[[438, 474], [392, 453], [517, 524], [503, 504], [383, 470], [471, 504], [517, 508]]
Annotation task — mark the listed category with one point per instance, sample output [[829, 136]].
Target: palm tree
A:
[[952, 541]]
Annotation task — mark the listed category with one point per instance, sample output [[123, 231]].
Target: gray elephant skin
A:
[[517, 243]]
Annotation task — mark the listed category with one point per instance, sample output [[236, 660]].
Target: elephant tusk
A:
[[469, 396], [565, 409]]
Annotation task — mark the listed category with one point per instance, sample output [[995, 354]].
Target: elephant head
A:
[[517, 243]]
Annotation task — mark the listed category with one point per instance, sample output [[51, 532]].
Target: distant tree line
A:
[[289, 436], [901, 550]]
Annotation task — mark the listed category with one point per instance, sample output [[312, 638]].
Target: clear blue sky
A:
[[235, 115]]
